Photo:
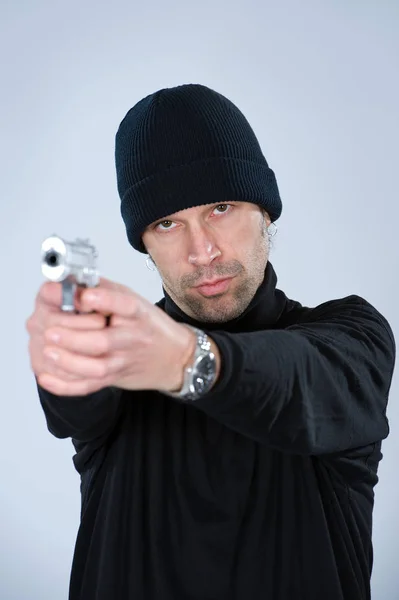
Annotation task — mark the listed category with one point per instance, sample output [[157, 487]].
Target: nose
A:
[[203, 248]]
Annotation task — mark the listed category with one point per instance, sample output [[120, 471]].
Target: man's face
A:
[[210, 242]]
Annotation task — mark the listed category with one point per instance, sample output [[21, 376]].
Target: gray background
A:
[[319, 83]]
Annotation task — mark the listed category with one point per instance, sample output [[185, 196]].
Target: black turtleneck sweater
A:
[[263, 488]]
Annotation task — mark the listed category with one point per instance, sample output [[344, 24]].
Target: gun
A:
[[71, 263]]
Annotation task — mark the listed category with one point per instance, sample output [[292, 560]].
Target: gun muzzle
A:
[[72, 264]]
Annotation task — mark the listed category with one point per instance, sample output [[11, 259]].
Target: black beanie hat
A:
[[187, 146]]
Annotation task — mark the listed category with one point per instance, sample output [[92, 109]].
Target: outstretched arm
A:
[[313, 388]]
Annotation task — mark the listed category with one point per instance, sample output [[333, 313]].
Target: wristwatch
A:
[[200, 375]]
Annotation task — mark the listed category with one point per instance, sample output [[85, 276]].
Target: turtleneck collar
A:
[[264, 310]]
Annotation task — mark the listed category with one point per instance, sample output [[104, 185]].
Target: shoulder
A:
[[351, 312], [352, 306], [348, 306]]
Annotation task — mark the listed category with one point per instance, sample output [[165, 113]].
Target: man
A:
[[227, 438]]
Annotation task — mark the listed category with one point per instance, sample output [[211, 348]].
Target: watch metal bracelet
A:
[[202, 351]]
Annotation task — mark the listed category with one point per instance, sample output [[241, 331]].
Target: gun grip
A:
[[68, 295]]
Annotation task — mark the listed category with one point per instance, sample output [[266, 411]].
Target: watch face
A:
[[204, 373]]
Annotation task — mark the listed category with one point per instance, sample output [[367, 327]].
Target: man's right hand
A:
[[48, 315]]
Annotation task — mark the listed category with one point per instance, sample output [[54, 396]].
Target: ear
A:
[[266, 216]]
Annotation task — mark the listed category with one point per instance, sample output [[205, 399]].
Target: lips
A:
[[218, 286], [212, 282]]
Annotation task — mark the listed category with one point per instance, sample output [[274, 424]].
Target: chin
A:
[[218, 309]]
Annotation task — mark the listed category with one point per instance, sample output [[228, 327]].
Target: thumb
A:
[[104, 283], [50, 293], [112, 285]]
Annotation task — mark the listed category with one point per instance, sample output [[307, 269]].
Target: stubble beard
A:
[[229, 305], [223, 307]]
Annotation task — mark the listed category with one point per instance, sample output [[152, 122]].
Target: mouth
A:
[[217, 286]]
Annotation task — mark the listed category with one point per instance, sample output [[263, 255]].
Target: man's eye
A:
[[225, 206], [163, 223]]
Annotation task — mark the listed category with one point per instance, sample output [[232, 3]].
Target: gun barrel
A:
[[62, 259]]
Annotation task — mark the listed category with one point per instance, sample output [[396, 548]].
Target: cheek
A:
[[169, 273], [251, 246], [244, 239]]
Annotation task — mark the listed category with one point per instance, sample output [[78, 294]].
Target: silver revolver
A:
[[71, 263]]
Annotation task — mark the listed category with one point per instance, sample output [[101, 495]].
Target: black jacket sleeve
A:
[[83, 418], [313, 388]]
